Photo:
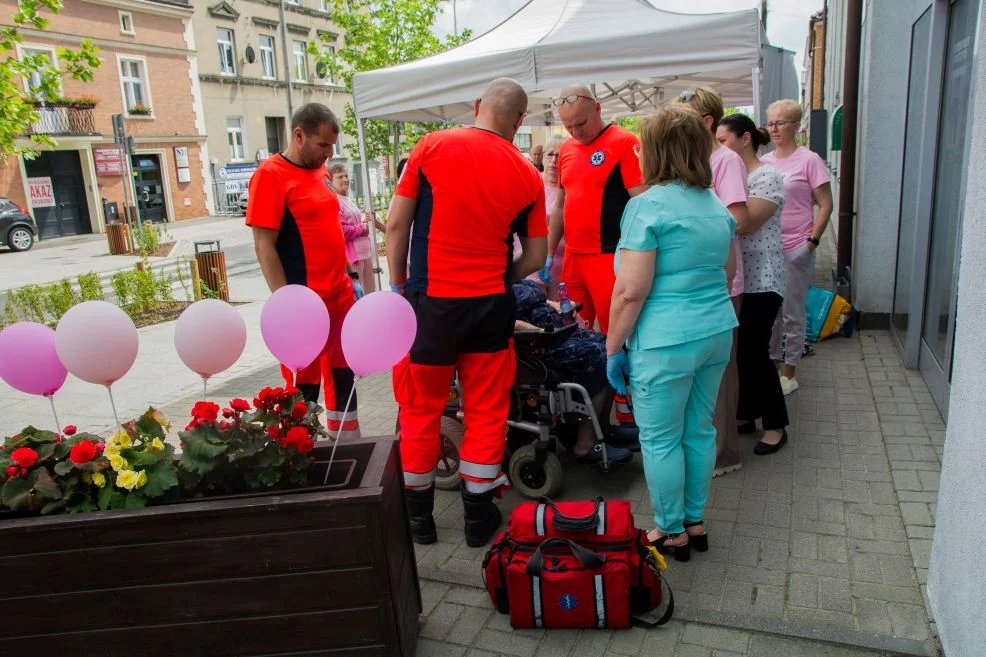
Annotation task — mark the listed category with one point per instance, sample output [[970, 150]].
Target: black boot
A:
[[420, 504], [482, 517]]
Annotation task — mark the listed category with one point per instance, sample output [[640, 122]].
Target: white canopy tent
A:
[[635, 57]]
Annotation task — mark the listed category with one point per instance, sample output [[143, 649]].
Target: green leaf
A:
[[147, 425], [17, 495], [53, 507], [79, 502], [45, 450], [45, 486], [118, 500], [160, 478], [62, 468], [270, 478], [135, 501], [142, 458], [105, 497], [62, 449]]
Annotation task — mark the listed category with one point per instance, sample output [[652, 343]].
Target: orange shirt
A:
[[596, 177], [298, 203], [474, 191]]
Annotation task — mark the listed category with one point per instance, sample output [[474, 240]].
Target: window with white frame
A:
[[300, 61], [323, 5], [267, 59], [227, 51], [292, 2], [237, 142], [127, 23], [34, 79], [332, 56], [133, 78]]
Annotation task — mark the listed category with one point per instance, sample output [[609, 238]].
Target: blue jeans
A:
[[674, 396]]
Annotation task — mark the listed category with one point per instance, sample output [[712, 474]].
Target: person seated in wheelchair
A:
[[580, 359]]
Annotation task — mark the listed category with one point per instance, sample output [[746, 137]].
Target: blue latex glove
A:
[[357, 290], [545, 273], [397, 289], [618, 371]]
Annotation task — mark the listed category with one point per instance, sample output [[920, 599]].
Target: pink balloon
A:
[[210, 336], [97, 342], [378, 332], [295, 325], [28, 361]]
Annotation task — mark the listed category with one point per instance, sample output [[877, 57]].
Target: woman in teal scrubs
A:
[[671, 321]]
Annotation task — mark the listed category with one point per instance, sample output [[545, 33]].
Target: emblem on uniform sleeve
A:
[[597, 158], [568, 602]]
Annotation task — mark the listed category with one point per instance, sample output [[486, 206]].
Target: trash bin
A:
[[118, 235], [212, 267]]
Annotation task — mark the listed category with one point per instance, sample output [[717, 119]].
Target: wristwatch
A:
[[813, 240]]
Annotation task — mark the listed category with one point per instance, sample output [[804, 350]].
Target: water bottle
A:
[[565, 302]]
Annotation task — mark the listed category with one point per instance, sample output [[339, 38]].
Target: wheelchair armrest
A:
[[527, 340]]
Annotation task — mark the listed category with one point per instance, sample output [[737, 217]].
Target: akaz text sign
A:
[[42, 194]]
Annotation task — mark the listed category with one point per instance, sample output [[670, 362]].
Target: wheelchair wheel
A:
[[534, 480], [447, 471]]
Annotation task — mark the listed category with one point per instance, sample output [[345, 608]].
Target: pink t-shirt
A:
[[803, 172], [357, 242], [729, 184], [550, 193]]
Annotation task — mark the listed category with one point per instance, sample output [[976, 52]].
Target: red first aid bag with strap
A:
[[575, 565]]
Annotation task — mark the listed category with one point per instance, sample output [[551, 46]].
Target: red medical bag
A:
[[574, 565]]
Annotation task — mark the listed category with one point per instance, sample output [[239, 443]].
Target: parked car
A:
[[17, 228], [241, 201]]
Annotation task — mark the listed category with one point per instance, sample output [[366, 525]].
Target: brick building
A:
[[149, 75]]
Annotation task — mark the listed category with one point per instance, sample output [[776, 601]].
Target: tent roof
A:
[[636, 56]]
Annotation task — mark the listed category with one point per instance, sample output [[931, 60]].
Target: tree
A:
[[18, 106], [378, 34]]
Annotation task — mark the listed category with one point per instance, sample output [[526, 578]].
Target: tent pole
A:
[[757, 109], [368, 195]]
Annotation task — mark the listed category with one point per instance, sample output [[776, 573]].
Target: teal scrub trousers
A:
[[674, 396]]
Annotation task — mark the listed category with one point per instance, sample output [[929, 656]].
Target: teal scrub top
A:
[[692, 233]]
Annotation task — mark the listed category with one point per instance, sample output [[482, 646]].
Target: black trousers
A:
[[760, 393]]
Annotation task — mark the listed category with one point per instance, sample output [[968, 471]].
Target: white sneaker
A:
[[788, 385], [718, 472]]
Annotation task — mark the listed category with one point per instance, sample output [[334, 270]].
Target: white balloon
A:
[[97, 342], [210, 336]]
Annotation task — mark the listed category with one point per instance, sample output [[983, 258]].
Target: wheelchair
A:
[[544, 411]]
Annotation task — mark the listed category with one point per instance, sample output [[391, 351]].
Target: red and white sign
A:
[[108, 161], [42, 195]]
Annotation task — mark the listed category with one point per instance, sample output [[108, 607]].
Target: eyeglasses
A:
[[686, 96], [777, 124], [574, 98]]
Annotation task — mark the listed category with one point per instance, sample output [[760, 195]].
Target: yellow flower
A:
[[111, 450], [126, 479], [118, 462], [87, 477], [99, 479], [157, 444], [141, 479], [124, 439]]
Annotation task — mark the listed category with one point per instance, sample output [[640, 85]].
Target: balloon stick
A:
[[113, 406], [205, 383], [332, 456], [58, 425]]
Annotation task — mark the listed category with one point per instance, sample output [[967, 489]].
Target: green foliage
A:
[[90, 287], [17, 106], [59, 297], [147, 238], [378, 34]]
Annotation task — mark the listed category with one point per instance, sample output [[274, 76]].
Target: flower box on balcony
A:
[[139, 110], [317, 570]]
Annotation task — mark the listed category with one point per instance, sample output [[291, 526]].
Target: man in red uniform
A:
[[299, 241], [463, 195], [598, 172]]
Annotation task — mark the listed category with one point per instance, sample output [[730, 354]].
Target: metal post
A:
[[847, 168], [368, 195], [757, 110], [287, 65], [455, 19]]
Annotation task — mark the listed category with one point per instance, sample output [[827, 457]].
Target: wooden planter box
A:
[[321, 571]]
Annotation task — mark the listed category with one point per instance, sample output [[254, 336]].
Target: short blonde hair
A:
[[790, 108], [675, 147], [555, 142], [337, 167], [705, 101]]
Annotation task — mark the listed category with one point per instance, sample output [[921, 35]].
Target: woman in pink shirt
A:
[[355, 228], [550, 178], [806, 184], [729, 184]]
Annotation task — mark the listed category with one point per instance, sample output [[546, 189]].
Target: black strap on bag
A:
[[564, 523], [588, 558], [648, 619]]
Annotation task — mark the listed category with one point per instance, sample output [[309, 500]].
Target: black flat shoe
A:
[[747, 427], [623, 437], [680, 552], [762, 448], [616, 455], [698, 541]]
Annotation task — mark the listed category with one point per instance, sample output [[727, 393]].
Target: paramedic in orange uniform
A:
[[598, 172], [463, 195], [299, 241]]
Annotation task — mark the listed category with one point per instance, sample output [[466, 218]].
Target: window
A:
[[234, 133], [267, 61], [133, 79], [33, 81], [323, 5], [300, 62], [523, 141], [127, 23], [227, 60], [292, 2]]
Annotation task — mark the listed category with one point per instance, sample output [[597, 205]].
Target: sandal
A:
[[680, 552], [699, 541]]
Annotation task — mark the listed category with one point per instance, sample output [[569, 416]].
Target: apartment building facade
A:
[[148, 75], [254, 69]]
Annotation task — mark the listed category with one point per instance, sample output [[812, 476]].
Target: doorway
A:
[[150, 187], [275, 134], [66, 211]]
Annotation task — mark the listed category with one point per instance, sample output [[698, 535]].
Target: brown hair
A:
[[706, 101], [675, 146], [338, 167]]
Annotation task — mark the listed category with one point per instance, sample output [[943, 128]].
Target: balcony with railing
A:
[[63, 119]]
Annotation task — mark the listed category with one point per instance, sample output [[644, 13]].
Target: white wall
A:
[[957, 580], [882, 104]]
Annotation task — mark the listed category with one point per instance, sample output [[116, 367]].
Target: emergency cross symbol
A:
[[597, 158], [568, 602]]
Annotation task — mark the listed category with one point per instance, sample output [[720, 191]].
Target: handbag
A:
[[575, 565]]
